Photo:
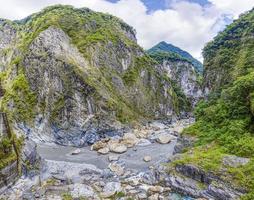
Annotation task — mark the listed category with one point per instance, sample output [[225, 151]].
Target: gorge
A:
[[86, 113]]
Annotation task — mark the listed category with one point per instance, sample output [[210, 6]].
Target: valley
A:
[[87, 113]]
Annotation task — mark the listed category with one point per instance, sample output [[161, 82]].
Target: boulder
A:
[[154, 197], [130, 140], [235, 161], [98, 145], [110, 189], [116, 168], [103, 151], [143, 133], [142, 196], [155, 189], [164, 138], [80, 190], [91, 137], [117, 147]]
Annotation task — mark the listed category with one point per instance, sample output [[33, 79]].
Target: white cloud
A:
[[187, 25], [234, 7]]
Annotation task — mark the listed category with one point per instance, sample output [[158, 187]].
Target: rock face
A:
[[182, 70], [76, 83], [8, 175], [31, 161], [195, 182], [184, 75]]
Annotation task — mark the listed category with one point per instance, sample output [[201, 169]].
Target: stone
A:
[[154, 197], [97, 186], [116, 168], [91, 137], [143, 142], [107, 174], [141, 133], [235, 161], [148, 177], [80, 190], [134, 149], [221, 191], [110, 189], [98, 145], [132, 192], [129, 187], [117, 148], [103, 151], [113, 158], [164, 138], [129, 139], [142, 196], [133, 180], [76, 152], [156, 189], [29, 155], [147, 158]]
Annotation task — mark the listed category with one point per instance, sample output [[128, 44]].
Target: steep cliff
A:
[[75, 73], [224, 131], [177, 66]]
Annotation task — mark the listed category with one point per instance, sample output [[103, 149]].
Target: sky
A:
[[188, 24]]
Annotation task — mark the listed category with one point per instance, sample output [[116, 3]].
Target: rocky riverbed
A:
[[131, 166]]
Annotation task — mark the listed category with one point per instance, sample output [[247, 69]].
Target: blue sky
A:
[[153, 5], [188, 24]]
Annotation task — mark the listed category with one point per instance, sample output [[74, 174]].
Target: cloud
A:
[[234, 7], [185, 24]]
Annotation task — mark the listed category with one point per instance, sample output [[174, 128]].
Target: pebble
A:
[[76, 152], [147, 158]]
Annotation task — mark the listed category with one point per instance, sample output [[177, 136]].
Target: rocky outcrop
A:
[[8, 175], [182, 70], [185, 76], [31, 161], [193, 181], [74, 84]]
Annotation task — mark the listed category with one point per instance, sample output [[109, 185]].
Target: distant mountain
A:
[[173, 52]]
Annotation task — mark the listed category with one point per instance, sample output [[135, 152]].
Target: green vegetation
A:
[[91, 32], [161, 56], [24, 100], [67, 196], [10, 148], [84, 26], [230, 54], [174, 53], [226, 119], [202, 157]]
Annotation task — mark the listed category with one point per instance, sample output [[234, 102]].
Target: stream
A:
[[93, 175]]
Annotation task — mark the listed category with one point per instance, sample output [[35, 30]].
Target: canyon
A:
[[86, 113]]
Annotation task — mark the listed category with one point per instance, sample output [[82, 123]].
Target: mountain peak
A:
[[165, 47]]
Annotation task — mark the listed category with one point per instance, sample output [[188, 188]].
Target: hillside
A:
[[173, 52], [180, 69], [69, 71], [224, 126], [73, 77]]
